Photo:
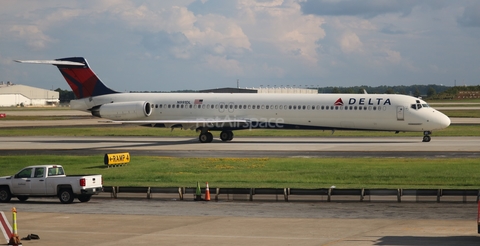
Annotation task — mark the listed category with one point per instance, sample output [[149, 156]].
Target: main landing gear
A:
[[426, 136], [226, 136], [207, 137]]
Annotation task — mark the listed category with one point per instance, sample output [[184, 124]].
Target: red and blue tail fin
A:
[[78, 75]]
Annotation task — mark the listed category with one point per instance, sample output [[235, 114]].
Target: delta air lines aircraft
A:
[[226, 112]]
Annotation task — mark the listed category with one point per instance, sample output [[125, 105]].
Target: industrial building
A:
[[12, 95]]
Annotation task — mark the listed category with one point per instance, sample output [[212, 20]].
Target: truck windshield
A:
[[54, 171]]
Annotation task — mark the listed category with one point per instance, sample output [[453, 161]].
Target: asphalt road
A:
[[461, 147], [107, 221], [138, 221]]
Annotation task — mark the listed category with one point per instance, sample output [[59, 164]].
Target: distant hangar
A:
[[12, 95]]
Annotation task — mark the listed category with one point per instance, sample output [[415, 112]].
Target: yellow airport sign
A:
[[116, 158]]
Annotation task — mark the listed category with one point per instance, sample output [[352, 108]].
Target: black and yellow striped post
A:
[[14, 239]]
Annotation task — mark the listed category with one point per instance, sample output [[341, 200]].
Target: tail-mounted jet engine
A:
[[123, 110]]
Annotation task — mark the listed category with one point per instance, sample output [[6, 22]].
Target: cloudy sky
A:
[[187, 44]]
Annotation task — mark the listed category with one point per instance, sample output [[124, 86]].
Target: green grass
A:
[[268, 172], [454, 130], [462, 113]]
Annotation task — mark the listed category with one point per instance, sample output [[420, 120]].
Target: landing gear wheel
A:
[[426, 136], [226, 136], [206, 137]]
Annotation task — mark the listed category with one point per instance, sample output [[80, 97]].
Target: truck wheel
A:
[[66, 196], [22, 198], [84, 198], [5, 194]]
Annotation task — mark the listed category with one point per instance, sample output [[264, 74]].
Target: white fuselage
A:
[[385, 112]]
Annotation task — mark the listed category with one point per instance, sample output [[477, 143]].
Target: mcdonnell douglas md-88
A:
[[227, 112]]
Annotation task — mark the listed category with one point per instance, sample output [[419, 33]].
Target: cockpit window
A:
[[426, 105]]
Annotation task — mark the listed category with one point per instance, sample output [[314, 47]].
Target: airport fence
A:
[[293, 194]]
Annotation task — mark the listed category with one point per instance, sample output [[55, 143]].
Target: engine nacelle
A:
[[123, 110]]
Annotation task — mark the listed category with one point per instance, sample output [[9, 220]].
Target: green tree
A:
[[431, 92]]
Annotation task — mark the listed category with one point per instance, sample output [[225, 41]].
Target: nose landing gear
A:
[[426, 136]]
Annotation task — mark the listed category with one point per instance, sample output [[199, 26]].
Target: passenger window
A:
[[39, 172], [267, 107], [55, 171], [25, 173]]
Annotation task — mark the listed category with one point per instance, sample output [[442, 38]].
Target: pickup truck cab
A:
[[49, 180]]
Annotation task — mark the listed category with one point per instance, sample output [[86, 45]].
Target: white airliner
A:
[[226, 112]]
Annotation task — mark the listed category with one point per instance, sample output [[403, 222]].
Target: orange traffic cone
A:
[[207, 193]]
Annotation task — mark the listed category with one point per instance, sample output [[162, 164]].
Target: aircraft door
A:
[[400, 113]]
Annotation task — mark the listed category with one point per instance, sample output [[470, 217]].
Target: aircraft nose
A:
[[442, 120]]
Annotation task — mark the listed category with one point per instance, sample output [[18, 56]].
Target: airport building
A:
[[12, 95]]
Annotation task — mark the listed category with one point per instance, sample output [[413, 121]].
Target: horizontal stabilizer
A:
[[52, 62]]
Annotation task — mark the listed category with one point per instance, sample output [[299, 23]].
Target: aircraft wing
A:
[[189, 124]]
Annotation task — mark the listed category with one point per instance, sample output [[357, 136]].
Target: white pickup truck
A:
[[49, 180]]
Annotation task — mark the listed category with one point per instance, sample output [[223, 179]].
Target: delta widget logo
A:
[[339, 102]]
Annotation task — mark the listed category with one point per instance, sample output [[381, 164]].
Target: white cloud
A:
[[350, 43], [32, 35], [223, 65], [281, 24], [260, 41]]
